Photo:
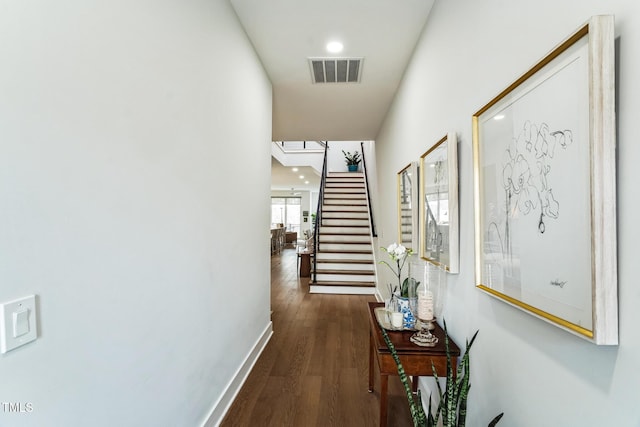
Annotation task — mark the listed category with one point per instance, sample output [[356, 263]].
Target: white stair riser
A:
[[324, 238], [344, 230], [346, 257], [339, 246], [358, 202], [343, 190], [338, 185], [337, 266], [333, 208], [344, 174], [346, 222], [345, 215], [342, 179], [344, 186], [345, 196], [323, 277], [343, 290]]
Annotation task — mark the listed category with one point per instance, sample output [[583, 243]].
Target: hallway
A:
[[314, 370]]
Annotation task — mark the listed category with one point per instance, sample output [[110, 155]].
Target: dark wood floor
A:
[[314, 371]]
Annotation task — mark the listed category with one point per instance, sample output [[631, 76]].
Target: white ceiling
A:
[[285, 33], [283, 178]]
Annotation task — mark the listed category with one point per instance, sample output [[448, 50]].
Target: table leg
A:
[[414, 384], [370, 363], [384, 380]]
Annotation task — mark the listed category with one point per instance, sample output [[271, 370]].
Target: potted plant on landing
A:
[[352, 160]]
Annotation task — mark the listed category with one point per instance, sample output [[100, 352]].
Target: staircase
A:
[[344, 259], [406, 224]]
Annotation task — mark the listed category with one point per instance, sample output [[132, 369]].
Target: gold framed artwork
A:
[[439, 231], [544, 188]]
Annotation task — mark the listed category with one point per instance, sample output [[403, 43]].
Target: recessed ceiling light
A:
[[498, 117], [334, 47], [295, 169], [306, 182], [301, 176]]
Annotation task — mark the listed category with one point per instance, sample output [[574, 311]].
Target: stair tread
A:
[[344, 261], [360, 214], [344, 181], [345, 251], [325, 203], [358, 223], [346, 272], [342, 283], [344, 234], [345, 243], [344, 226], [344, 212], [332, 207]]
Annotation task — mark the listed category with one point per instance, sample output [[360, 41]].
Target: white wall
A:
[[534, 372], [125, 131]]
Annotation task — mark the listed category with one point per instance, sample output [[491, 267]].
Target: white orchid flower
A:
[[400, 251], [399, 255]]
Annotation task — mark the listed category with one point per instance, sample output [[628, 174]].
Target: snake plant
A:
[[452, 408]]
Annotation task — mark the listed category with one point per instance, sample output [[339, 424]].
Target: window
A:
[[286, 210]]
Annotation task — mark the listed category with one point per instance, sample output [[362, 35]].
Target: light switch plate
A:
[[18, 320]]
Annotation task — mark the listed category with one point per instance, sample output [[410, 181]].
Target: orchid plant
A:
[[399, 255]]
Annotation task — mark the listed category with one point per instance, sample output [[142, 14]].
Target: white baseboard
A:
[[231, 390], [342, 290]]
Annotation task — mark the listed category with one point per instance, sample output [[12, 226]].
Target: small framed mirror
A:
[[407, 212], [439, 240]]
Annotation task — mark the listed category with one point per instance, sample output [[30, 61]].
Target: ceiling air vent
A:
[[336, 70]]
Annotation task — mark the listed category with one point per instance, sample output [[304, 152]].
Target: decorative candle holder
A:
[[394, 314], [429, 303], [424, 337]]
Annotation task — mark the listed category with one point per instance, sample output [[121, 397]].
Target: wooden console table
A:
[[416, 360]]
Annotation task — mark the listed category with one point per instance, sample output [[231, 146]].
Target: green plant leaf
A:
[[416, 409], [495, 420], [452, 406]]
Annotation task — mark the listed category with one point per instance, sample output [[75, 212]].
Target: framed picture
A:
[[439, 236], [407, 221], [544, 178]]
